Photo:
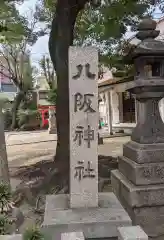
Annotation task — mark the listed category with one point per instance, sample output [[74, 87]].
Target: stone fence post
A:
[[131, 233], [11, 237], [72, 236], [52, 121]]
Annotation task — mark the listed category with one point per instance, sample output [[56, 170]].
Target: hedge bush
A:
[[7, 115], [5, 225], [5, 196], [33, 233], [28, 119]]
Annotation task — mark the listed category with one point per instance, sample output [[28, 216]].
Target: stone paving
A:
[[25, 148]]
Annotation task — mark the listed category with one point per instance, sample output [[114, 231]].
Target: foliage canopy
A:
[[104, 26]]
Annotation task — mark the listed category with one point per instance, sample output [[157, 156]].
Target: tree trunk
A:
[[15, 107], [4, 169], [61, 37]]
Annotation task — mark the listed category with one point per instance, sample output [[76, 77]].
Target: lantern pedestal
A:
[[139, 181]]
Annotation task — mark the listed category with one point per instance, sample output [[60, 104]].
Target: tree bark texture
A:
[[61, 37], [15, 107]]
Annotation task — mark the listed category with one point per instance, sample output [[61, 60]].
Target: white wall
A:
[[161, 108], [115, 107], [103, 111], [160, 26], [115, 102]]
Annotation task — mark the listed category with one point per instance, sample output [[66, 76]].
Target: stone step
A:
[[31, 154], [142, 174], [30, 141], [101, 238], [99, 222], [22, 160], [137, 196], [144, 153]]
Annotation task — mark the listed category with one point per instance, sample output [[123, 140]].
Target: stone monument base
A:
[[100, 222], [52, 131], [144, 204]]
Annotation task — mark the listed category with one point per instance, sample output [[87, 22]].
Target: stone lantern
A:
[[139, 181]]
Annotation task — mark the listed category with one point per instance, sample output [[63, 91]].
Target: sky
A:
[[41, 47]]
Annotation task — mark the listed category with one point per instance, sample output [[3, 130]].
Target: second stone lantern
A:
[[139, 181]]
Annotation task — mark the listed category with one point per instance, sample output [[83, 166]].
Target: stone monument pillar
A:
[[97, 215], [52, 121], [139, 181], [83, 129]]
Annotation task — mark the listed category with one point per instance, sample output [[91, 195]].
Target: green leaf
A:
[[33, 234], [52, 96], [103, 26], [48, 71], [5, 195], [5, 224]]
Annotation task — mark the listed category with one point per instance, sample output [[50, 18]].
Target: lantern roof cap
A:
[[148, 46], [147, 29]]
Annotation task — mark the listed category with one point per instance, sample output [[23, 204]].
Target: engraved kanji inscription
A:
[[89, 171], [83, 102], [79, 135], [88, 73], [89, 135], [84, 134], [159, 172], [147, 173], [79, 71], [81, 172], [155, 172]]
